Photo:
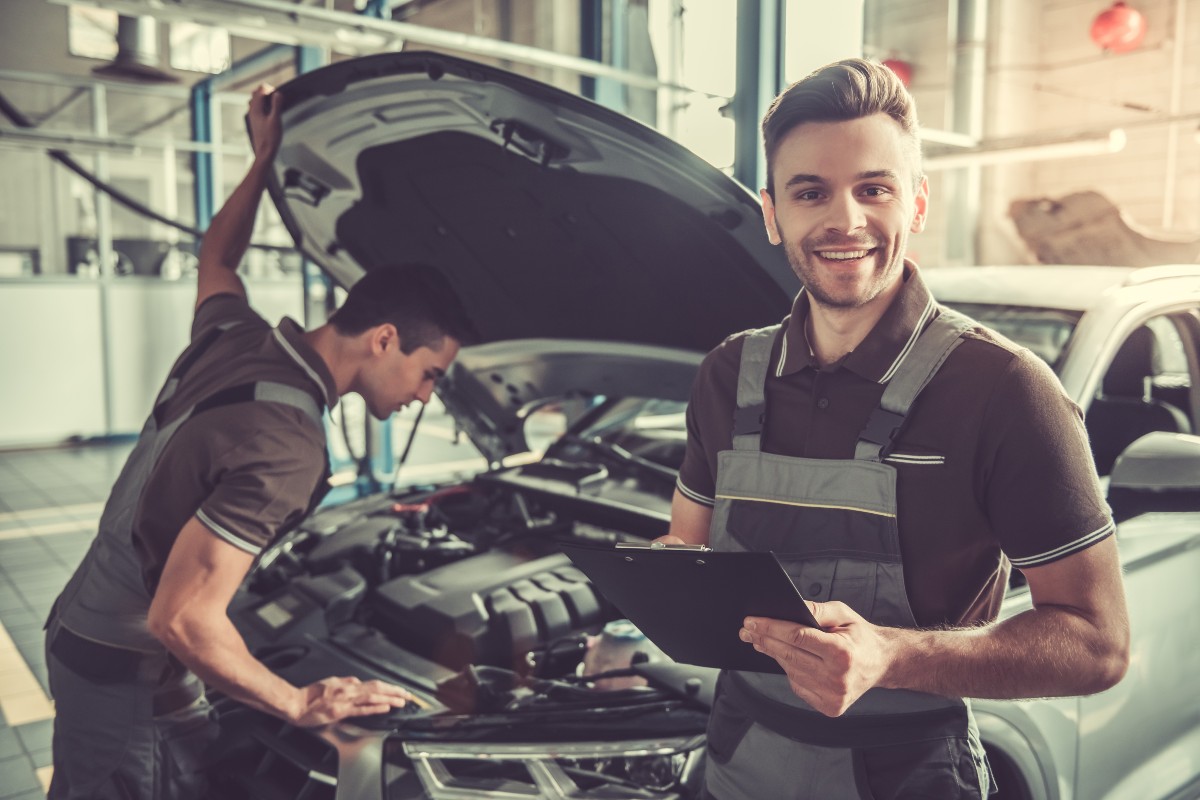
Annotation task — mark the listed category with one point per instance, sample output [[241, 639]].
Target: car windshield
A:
[[1045, 331]]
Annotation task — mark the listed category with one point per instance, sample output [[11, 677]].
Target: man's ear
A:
[[920, 207], [768, 211], [382, 337]]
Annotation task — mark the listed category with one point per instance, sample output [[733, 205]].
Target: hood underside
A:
[[551, 216]]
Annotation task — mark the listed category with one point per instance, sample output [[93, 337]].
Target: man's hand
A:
[[334, 699], [1075, 640], [266, 131], [189, 615], [828, 668], [228, 236]]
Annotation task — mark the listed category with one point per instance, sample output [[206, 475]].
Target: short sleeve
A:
[[262, 486], [709, 420], [1041, 490], [222, 309]]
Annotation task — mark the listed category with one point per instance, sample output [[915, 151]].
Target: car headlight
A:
[[653, 769]]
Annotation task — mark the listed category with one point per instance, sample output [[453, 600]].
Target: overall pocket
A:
[[936, 769], [727, 726]]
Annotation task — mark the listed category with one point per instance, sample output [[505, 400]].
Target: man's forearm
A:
[[1046, 652], [228, 237], [213, 649]]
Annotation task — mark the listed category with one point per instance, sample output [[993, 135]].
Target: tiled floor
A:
[[49, 503]]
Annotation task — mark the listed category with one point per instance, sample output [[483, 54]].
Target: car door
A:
[[1141, 739]]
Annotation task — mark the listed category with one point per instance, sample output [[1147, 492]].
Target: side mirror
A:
[[1158, 472]]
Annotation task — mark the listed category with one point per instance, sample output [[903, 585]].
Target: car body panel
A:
[[1144, 731]]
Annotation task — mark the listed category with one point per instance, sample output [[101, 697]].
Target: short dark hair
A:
[[416, 298], [837, 92]]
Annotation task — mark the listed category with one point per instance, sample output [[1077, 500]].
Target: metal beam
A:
[[963, 188], [91, 143], [355, 34], [202, 162], [759, 67]]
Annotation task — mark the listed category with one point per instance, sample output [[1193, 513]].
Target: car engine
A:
[[459, 594]]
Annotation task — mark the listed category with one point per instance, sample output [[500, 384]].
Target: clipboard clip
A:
[[695, 548]]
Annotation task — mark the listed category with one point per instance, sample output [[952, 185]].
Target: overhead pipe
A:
[[1011, 151], [356, 34]]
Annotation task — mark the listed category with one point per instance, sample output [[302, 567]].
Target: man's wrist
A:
[[902, 648], [296, 705]]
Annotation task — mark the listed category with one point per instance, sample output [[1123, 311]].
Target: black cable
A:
[[21, 121], [408, 445]]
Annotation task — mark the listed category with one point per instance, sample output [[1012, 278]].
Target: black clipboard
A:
[[691, 603]]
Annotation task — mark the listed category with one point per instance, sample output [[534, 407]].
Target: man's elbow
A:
[[170, 627], [1117, 664], [1110, 662]]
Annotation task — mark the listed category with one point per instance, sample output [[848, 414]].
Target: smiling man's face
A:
[[846, 200]]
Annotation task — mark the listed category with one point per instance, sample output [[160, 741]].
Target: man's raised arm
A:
[[228, 236]]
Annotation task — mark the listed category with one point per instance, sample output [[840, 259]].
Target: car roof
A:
[[1069, 287]]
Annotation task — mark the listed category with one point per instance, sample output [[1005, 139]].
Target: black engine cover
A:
[[491, 609]]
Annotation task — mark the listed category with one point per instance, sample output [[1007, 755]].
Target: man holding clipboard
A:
[[895, 457]]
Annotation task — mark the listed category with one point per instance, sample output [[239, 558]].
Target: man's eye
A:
[[808, 195], [876, 191]]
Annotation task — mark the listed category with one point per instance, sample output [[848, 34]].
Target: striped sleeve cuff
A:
[[1082, 543], [695, 497], [224, 533]]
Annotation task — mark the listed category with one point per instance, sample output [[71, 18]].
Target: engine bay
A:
[[427, 585]]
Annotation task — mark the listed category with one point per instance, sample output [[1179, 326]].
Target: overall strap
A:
[[750, 411], [189, 359], [267, 391], [931, 350]]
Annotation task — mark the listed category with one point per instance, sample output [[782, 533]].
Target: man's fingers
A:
[[791, 633], [365, 711], [388, 700], [388, 688], [789, 656]]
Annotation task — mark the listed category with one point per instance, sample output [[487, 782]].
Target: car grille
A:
[[551, 771]]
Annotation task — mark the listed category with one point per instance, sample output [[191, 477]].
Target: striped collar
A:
[[879, 355], [290, 338]]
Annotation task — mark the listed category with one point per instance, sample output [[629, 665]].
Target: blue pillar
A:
[[591, 41], [759, 79], [204, 191], [202, 188]]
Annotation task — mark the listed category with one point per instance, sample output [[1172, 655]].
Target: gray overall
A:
[[131, 721], [832, 523]]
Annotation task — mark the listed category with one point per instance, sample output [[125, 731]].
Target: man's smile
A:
[[843, 255]]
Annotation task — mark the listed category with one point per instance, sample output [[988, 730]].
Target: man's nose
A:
[[845, 214], [425, 392]]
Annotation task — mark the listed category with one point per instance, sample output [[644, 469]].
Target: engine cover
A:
[[490, 609]]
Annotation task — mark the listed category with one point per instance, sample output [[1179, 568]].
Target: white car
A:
[[1126, 345], [601, 261]]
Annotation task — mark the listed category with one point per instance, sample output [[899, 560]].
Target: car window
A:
[[1171, 364], [1045, 331], [1147, 386]]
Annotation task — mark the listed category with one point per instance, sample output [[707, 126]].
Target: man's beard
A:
[[803, 260]]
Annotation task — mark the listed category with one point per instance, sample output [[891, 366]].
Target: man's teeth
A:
[[846, 256]]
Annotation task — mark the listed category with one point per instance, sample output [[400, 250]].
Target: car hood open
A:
[[551, 216]]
